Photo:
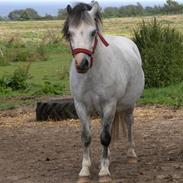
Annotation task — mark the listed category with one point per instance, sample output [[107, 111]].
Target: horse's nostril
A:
[[84, 64]]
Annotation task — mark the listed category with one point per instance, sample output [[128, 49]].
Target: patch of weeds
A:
[[171, 96], [63, 73], [3, 61], [17, 80], [52, 37], [4, 91], [41, 53], [15, 50], [51, 88], [7, 106]]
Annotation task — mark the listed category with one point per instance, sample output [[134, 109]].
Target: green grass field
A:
[[50, 77]]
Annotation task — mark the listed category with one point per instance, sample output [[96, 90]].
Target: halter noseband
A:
[[89, 52]]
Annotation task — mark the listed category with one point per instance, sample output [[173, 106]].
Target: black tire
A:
[[57, 109]]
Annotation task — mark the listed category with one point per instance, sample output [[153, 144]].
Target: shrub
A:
[[161, 48], [16, 81]]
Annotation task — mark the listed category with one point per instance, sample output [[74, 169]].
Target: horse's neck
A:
[[101, 65], [99, 55]]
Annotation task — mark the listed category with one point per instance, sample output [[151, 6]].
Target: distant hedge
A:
[[161, 48]]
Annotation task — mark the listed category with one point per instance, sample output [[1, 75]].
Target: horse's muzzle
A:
[[83, 67]]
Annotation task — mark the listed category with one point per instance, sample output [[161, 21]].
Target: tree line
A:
[[170, 7]]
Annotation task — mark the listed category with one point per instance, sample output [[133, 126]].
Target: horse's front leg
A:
[[85, 138], [108, 117]]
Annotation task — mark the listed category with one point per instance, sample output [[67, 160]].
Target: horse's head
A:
[[80, 29]]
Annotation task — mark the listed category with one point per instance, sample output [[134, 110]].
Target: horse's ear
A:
[[95, 8], [69, 9]]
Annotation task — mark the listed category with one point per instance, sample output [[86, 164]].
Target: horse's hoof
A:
[[85, 179], [132, 160], [105, 179]]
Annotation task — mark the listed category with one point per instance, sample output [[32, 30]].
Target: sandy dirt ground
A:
[[50, 152]]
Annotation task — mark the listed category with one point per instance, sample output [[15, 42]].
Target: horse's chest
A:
[[98, 91], [96, 88], [93, 101]]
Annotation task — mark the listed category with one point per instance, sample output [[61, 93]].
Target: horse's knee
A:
[[105, 138], [86, 138]]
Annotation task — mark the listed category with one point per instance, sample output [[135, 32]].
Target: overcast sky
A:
[[52, 6], [67, 1]]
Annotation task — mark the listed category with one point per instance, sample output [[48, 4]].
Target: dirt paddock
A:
[[50, 152]]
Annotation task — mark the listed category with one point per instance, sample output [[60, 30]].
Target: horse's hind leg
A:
[[129, 119], [85, 138]]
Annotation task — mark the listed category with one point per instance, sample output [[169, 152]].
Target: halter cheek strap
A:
[[89, 52], [102, 39]]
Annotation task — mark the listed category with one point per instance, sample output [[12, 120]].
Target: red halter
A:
[[89, 52]]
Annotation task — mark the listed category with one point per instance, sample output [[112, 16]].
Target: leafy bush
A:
[[16, 81], [161, 48]]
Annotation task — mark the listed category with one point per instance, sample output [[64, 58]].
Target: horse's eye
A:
[[93, 33], [68, 35]]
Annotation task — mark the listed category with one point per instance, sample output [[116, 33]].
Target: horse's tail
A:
[[119, 121]]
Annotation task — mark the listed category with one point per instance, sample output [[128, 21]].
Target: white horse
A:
[[106, 76]]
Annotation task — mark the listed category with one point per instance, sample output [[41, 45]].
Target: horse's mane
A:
[[80, 14]]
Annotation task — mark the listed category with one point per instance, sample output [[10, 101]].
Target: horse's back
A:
[[126, 45], [131, 56]]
